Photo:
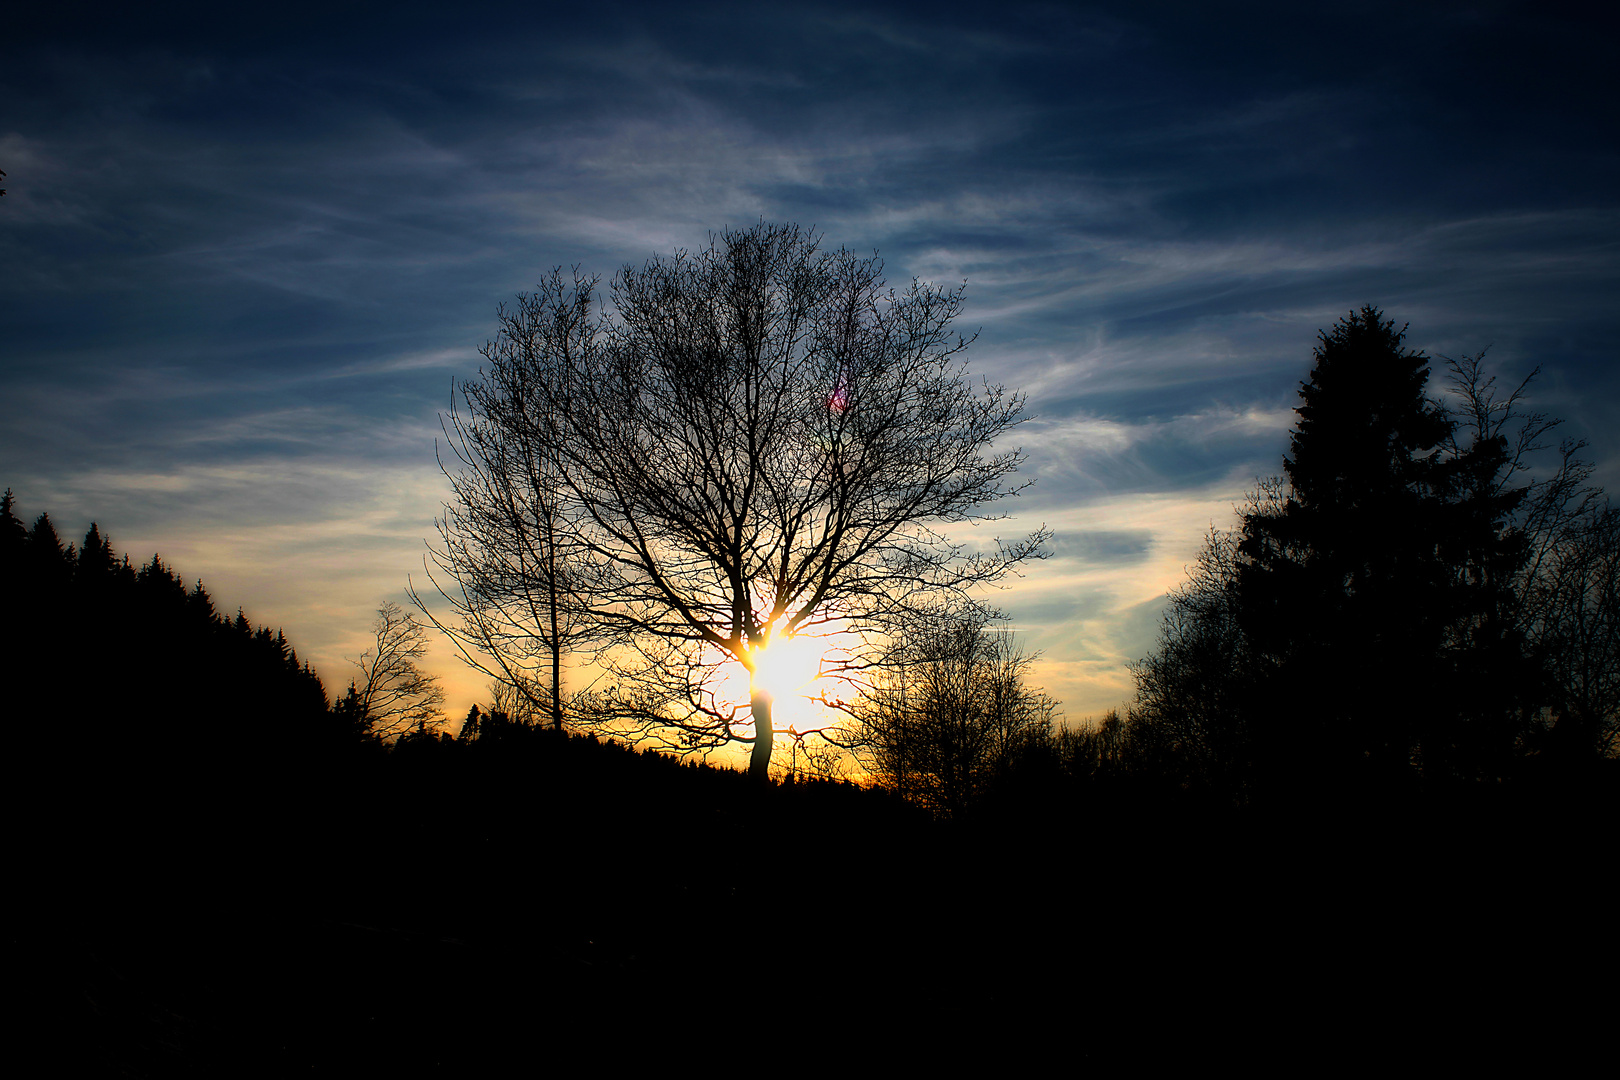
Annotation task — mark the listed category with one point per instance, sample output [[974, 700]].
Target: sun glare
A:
[[788, 665], [791, 669]]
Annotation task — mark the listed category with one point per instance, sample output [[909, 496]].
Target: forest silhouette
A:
[[1363, 789]]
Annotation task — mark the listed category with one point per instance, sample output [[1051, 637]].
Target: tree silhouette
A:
[[1374, 619], [1577, 633], [753, 441], [1568, 604], [148, 688], [517, 579], [947, 710], [1403, 606], [1347, 586], [394, 695], [1198, 694]]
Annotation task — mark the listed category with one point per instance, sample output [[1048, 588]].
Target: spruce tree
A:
[[1371, 589]]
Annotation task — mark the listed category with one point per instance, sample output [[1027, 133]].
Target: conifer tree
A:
[[1374, 587]]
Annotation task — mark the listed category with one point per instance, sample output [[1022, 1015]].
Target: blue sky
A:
[[245, 259]]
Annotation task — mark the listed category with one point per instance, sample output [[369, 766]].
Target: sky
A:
[[248, 255]]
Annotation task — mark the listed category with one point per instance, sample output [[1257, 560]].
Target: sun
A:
[[794, 669], [788, 665]]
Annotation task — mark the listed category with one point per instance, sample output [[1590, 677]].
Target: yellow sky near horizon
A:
[[322, 580]]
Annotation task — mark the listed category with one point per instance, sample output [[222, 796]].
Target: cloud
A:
[[1129, 545], [243, 268]]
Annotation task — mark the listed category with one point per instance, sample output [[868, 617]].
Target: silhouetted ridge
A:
[[142, 697], [1366, 786]]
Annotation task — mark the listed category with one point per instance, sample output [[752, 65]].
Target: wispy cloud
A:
[[244, 270]]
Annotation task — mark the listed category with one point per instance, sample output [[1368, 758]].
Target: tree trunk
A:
[[759, 763], [556, 685], [556, 636]]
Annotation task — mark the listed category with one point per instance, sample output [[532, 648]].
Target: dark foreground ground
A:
[[574, 906]]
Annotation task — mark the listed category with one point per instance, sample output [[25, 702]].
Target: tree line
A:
[[743, 448], [131, 677], [1412, 605], [118, 655], [760, 444]]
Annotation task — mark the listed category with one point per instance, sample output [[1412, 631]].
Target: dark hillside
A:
[[219, 878], [457, 909]]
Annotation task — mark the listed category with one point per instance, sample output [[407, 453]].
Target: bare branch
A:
[[395, 695], [745, 441]]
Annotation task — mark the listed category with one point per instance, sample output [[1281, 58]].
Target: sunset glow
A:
[[795, 669], [1157, 313], [1083, 533]]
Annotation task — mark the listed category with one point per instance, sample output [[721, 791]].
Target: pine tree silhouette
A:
[[1375, 588]]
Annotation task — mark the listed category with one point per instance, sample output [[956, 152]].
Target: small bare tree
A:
[[394, 695], [1571, 615], [948, 708], [747, 442], [511, 564], [1566, 592]]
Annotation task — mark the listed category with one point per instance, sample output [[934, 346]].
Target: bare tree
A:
[[1566, 593], [1196, 692], [511, 566], [1572, 615], [393, 694], [745, 443], [948, 709]]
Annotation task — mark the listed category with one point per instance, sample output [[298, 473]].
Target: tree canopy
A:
[[948, 710], [1375, 618], [132, 680], [393, 695], [742, 444]]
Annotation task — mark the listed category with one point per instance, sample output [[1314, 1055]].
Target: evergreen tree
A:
[[1375, 590], [149, 690], [13, 533]]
